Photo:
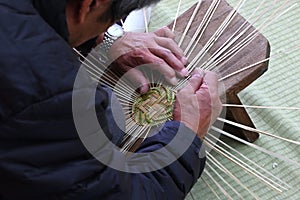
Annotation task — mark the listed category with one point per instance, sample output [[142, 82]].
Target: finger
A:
[[211, 82], [171, 60], [168, 73], [173, 47], [165, 32], [138, 79], [211, 77], [198, 71], [156, 63], [195, 82]]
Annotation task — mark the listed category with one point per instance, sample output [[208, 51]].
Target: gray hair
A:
[[121, 8]]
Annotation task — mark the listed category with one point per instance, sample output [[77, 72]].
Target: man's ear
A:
[[84, 10], [86, 6]]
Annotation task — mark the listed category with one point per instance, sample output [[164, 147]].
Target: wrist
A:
[[110, 36]]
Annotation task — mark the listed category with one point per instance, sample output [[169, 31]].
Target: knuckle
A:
[[168, 42], [165, 28], [158, 61], [139, 52], [166, 53]]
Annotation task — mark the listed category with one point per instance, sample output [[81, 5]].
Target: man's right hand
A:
[[157, 50], [198, 104]]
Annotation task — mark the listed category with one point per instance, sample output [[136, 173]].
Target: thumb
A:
[[138, 79], [195, 81]]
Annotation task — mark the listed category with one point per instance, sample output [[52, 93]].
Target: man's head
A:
[[87, 19]]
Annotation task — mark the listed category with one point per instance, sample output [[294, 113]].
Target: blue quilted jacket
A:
[[41, 154]]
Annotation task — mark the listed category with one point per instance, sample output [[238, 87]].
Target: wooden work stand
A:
[[256, 51]]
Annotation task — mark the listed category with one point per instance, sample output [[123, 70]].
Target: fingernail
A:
[[197, 75], [174, 81], [143, 89], [184, 60], [184, 72]]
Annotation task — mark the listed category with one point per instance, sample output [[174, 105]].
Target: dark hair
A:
[[121, 8]]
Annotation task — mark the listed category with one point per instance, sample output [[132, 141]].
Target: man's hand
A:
[[197, 104], [158, 50]]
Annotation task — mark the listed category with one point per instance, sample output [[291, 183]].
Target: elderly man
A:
[[41, 154]]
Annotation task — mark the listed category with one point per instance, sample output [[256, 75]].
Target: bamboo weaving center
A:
[[154, 107]]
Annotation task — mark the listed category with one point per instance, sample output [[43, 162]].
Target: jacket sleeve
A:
[[175, 180], [42, 157]]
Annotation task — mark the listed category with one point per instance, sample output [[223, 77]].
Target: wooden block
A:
[[257, 50]]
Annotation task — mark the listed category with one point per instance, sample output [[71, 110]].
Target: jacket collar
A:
[[54, 13]]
